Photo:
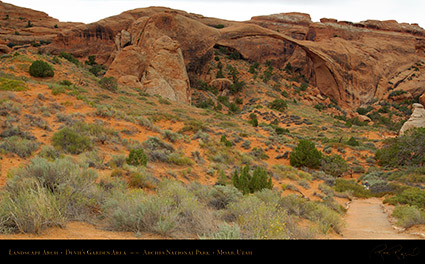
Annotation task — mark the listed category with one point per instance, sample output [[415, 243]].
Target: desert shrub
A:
[[94, 132], [16, 131], [173, 211], [258, 219], [225, 231], [48, 193], [353, 142], [69, 57], [153, 143], [41, 69], [325, 216], [97, 69], [279, 105], [140, 178], [220, 196], [158, 150], [364, 111], [31, 210], [70, 141], [109, 83], [93, 159], [225, 141], [11, 85], [117, 161], [408, 216], [178, 158], [234, 108], [406, 150], [253, 120], [250, 183], [305, 154], [411, 196], [137, 157], [170, 135], [342, 185], [20, 146], [283, 172], [334, 165], [49, 152]]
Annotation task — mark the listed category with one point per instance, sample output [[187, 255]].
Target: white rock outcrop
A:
[[417, 119]]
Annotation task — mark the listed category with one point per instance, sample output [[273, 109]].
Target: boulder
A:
[[417, 119], [131, 60], [166, 74], [422, 99], [363, 118], [130, 81]]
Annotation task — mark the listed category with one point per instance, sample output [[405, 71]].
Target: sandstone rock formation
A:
[[161, 50], [417, 119], [422, 99]]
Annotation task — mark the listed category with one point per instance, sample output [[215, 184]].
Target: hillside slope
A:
[[148, 135]]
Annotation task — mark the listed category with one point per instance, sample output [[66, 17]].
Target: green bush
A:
[[279, 105], [179, 159], [173, 211], [220, 196], [334, 165], [305, 155], [408, 216], [411, 196], [406, 150], [109, 83], [258, 219], [48, 193], [11, 85], [253, 120], [137, 157], [71, 141], [69, 57], [41, 69], [342, 185], [29, 211], [20, 146], [140, 178], [225, 141], [320, 213], [225, 231], [353, 142], [250, 183]]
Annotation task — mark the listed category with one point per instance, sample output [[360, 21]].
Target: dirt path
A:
[[365, 219]]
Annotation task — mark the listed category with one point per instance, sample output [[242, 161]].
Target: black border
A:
[[369, 251]]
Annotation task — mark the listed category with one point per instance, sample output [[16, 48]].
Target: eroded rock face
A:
[[166, 74], [163, 50], [422, 99], [131, 60], [417, 119]]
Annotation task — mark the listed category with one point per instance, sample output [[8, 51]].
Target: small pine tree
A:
[[241, 182], [250, 183], [305, 154], [41, 69], [71, 141], [225, 141], [353, 142], [279, 105]]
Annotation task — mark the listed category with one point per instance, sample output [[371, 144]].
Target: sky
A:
[[87, 11]]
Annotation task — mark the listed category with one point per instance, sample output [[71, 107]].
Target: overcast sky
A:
[[87, 11]]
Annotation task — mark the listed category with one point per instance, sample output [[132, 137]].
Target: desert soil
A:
[[366, 219]]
